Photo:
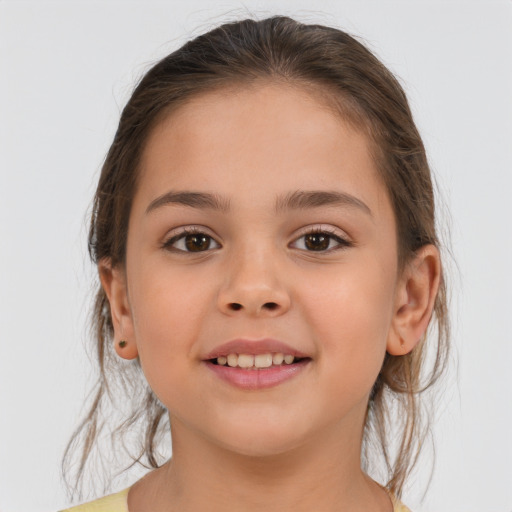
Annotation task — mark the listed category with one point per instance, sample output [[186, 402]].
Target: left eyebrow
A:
[[298, 200], [301, 199]]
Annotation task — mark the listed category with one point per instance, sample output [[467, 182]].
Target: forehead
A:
[[258, 138]]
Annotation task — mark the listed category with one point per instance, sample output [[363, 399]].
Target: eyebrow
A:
[[302, 199], [201, 200], [298, 200]]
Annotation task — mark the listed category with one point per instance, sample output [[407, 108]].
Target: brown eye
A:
[[317, 241], [320, 241], [200, 242], [191, 242]]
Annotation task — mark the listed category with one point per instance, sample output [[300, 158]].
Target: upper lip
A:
[[253, 347]]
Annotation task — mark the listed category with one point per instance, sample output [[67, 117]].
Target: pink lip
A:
[[253, 347], [258, 378]]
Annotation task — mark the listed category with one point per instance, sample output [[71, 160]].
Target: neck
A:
[[322, 474]]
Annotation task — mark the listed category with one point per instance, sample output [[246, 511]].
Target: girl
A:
[[265, 238]]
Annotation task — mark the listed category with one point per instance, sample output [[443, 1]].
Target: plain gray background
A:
[[66, 70]]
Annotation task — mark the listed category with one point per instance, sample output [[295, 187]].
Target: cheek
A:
[[167, 312], [350, 315]]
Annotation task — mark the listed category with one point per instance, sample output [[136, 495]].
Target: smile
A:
[[255, 361], [252, 364]]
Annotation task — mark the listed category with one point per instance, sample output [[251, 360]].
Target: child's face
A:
[[252, 272]]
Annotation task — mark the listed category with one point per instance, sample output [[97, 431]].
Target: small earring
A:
[[123, 343]]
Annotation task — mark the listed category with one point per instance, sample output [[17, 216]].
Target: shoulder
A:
[[112, 503], [398, 506]]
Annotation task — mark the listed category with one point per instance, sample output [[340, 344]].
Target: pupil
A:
[[317, 241], [197, 242]]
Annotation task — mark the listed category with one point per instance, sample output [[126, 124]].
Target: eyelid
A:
[[341, 237], [180, 232]]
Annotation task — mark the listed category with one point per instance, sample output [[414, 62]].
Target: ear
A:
[[415, 297], [113, 280]]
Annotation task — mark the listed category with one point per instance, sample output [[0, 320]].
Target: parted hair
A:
[[338, 68]]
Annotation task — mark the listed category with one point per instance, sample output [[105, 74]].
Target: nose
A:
[[254, 286]]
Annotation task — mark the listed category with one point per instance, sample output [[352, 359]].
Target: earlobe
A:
[[113, 282], [415, 298]]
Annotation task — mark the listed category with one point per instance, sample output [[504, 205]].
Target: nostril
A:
[[270, 306]]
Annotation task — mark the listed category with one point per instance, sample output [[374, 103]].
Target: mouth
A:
[[256, 364], [257, 361]]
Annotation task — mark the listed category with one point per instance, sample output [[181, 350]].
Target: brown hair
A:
[[325, 61]]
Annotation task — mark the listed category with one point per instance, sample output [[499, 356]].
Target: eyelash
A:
[[342, 243], [168, 244]]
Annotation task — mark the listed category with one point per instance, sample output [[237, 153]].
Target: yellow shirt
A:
[[119, 503], [112, 503]]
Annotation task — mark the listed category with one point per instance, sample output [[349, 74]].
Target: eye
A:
[[191, 240], [321, 240]]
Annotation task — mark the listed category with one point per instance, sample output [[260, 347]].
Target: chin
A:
[[261, 450], [259, 439]]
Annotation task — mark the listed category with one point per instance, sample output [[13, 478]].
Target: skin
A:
[[295, 446]]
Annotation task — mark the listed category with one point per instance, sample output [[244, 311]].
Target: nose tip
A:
[[253, 292]]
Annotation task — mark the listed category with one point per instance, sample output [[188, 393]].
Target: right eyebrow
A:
[[193, 199]]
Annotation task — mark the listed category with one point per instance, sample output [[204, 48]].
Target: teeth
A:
[[263, 360], [257, 361], [232, 360], [245, 361], [278, 358]]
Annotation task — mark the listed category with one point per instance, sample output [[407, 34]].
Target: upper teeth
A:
[[258, 361]]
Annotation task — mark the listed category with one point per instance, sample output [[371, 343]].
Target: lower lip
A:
[[258, 379]]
